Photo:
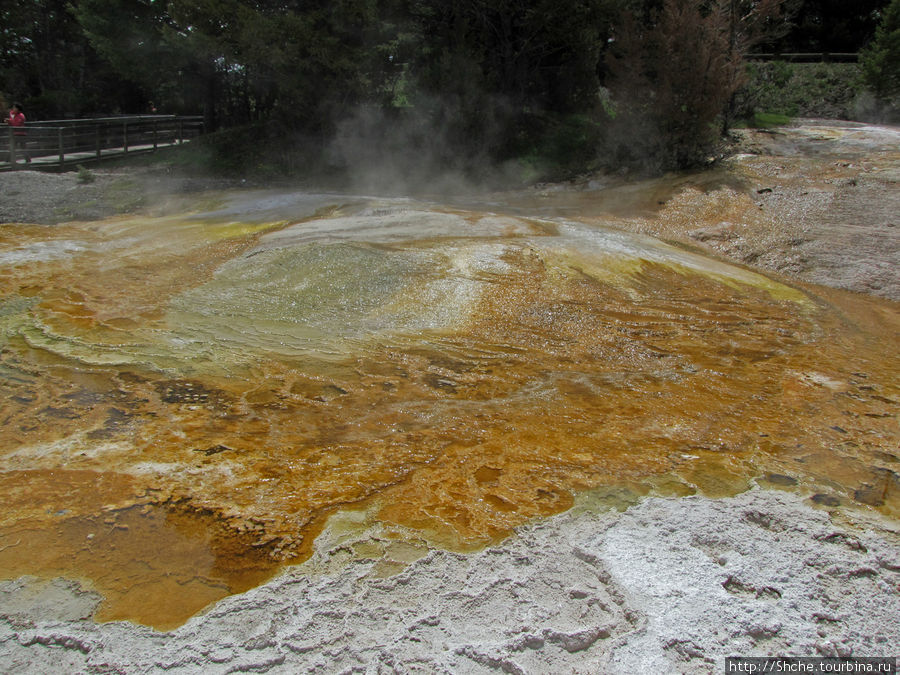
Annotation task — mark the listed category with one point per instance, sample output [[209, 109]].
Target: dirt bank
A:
[[816, 202], [820, 204]]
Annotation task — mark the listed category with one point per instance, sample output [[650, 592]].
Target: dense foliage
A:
[[832, 90], [881, 59], [835, 26], [557, 85], [675, 74]]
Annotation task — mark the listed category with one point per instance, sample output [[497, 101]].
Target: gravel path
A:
[[47, 198], [41, 198]]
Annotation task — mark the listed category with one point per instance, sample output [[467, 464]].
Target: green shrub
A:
[[85, 175], [828, 90]]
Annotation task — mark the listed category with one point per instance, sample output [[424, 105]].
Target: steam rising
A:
[[411, 152]]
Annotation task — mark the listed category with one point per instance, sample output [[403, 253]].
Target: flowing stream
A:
[[186, 400]]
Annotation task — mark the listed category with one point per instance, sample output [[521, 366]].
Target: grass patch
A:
[[124, 195], [85, 175], [766, 120]]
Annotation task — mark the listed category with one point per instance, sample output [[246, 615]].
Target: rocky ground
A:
[[666, 586], [831, 222], [50, 198], [816, 203]]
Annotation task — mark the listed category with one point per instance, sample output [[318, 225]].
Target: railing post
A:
[[155, 140], [12, 148], [97, 139], [125, 137], [180, 131], [62, 150]]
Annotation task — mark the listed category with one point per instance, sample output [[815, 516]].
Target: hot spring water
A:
[[187, 399]]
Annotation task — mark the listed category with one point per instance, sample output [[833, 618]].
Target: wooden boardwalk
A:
[[59, 145]]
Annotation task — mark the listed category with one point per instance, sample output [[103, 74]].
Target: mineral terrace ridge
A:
[[659, 585]]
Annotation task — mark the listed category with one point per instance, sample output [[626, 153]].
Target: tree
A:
[[490, 72], [828, 26], [296, 62], [131, 36], [880, 60], [673, 72], [164, 48], [47, 63]]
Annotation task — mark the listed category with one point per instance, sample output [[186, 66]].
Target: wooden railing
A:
[[58, 143]]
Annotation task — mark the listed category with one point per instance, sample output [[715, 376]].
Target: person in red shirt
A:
[[16, 120]]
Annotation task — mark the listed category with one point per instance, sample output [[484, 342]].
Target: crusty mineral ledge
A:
[[670, 585]]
